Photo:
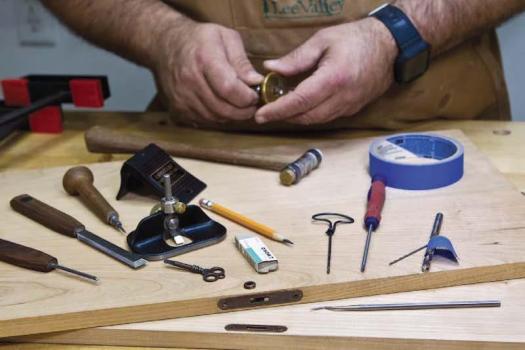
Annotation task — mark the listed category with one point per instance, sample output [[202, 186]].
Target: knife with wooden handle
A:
[[67, 225]]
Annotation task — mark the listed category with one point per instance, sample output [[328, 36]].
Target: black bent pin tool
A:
[[326, 217]]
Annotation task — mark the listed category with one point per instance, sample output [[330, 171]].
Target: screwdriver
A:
[[79, 181], [33, 259], [376, 199]]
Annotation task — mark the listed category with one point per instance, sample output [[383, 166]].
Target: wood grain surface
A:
[[372, 331], [486, 213]]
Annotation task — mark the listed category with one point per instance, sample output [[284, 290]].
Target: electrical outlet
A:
[[35, 25]]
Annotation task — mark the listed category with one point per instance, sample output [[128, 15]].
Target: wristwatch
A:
[[414, 52]]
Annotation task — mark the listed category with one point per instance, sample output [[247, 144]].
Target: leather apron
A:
[[465, 82]]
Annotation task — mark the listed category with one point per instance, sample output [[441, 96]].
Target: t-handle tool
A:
[[376, 200], [79, 181], [67, 225], [33, 259], [331, 230]]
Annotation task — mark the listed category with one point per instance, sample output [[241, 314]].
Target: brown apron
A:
[[464, 83]]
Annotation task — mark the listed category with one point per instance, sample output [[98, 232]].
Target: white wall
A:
[[132, 86], [512, 43]]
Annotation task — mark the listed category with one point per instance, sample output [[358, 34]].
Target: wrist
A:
[[384, 39], [166, 38]]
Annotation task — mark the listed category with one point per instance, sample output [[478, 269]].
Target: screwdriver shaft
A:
[[367, 247], [75, 272]]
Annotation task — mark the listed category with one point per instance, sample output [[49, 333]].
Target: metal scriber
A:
[[64, 224], [413, 306], [33, 259]]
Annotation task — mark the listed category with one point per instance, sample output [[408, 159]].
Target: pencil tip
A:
[[287, 241]]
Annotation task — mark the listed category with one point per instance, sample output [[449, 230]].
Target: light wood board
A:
[[491, 328], [480, 210]]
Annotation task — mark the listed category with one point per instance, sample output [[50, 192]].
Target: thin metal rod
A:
[[367, 246], [414, 306], [407, 255], [167, 186], [76, 272], [25, 111], [329, 257]]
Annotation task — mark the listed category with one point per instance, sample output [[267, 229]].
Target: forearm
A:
[[446, 23], [129, 28]]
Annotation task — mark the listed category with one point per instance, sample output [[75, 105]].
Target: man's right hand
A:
[[204, 73]]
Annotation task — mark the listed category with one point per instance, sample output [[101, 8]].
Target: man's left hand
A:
[[354, 66]]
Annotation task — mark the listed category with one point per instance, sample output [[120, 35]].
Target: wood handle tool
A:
[[64, 224], [102, 140], [79, 181], [33, 259]]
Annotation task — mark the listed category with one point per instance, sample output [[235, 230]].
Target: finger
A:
[[308, 94], [301, 59], [224, 82], [220, 108], [237, 57], [323, 113]]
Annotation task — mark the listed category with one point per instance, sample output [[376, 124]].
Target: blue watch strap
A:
[[404, 32], [414, 52]]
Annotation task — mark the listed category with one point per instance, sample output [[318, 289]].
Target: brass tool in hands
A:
[[331, 230], [33, 259], [79, 181], [272, 88], [67, 225]]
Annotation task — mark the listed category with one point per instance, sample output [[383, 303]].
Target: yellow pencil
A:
[[243, 220]]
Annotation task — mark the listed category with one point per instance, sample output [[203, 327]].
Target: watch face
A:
[[412, 64]]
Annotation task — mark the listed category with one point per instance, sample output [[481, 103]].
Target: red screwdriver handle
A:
[[376, 200]]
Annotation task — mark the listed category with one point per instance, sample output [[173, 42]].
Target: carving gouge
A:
[[79, 181], [64, 224], [33, 259]]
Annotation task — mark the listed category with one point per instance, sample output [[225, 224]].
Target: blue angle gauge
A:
[[417, 161]]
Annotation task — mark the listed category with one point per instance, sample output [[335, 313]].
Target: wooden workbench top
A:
[[501, 141]]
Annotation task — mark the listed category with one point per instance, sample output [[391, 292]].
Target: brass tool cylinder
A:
[[272, 87]]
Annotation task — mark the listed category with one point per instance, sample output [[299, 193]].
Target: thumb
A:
[[238, 59], [299, 60]]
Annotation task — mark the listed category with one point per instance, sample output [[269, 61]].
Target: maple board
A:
[[457, 329], [483, 217]]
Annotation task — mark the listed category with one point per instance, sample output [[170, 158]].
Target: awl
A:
[[64, 224], [78, 181]]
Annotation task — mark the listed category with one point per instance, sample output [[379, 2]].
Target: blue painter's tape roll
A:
[[415, 161]]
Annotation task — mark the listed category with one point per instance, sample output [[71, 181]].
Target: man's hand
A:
[[204, 72], [354, 66]]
